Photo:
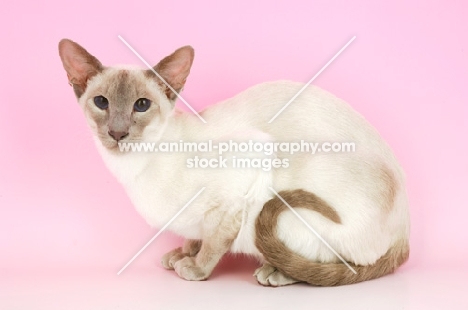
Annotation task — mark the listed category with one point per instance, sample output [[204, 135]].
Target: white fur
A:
[[160, 184]]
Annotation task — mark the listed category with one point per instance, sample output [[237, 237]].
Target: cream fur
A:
[[224, 215], [159, 190]]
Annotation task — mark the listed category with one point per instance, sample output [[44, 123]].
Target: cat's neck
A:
[[183, 125], [126, 166]]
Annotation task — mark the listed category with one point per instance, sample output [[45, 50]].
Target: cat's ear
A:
[[79, 64], [174, 69]]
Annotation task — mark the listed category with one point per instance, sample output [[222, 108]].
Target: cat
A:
[[356, 201]]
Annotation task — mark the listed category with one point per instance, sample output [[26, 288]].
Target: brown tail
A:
[[302, 269]]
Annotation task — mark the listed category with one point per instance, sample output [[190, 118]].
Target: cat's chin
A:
[[112, 146]]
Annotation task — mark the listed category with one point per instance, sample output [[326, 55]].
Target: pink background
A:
[[62, 212]]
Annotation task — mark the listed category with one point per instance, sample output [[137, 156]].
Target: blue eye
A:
[[142, 104], [101, 102]]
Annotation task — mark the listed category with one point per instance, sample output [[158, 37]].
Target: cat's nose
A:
[[118, 135]]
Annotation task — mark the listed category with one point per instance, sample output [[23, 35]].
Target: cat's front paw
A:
[[267, 275], [187, 269], [169, 259]]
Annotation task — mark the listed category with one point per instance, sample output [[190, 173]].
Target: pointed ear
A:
[[79, 64], [174, 69]]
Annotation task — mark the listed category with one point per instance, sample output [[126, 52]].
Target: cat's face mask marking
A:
[[125, 104]]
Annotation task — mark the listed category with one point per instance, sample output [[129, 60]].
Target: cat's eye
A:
[[101, 102], [142, 104]]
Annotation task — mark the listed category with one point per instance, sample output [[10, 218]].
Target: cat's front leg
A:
[[190, 248], [219, 231]]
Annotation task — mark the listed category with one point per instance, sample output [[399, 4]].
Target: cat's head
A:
[[125, 104]]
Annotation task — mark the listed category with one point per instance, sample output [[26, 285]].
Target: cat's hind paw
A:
[[267, 275]]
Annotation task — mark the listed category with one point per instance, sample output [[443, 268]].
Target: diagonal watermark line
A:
[[160, 77], [160, 231], [313, 230], [312, 79]]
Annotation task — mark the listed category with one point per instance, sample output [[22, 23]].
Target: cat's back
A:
[[314, 114], [261, 100]]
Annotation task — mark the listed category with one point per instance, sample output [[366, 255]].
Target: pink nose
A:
[[117, 135]]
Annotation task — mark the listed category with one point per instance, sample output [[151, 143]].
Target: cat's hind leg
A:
[[190, 248], [267, 275]]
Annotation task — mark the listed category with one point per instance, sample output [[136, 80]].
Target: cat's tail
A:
[[305, 270]]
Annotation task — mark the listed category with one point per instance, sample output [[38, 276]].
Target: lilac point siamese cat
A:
[[356, 201]]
